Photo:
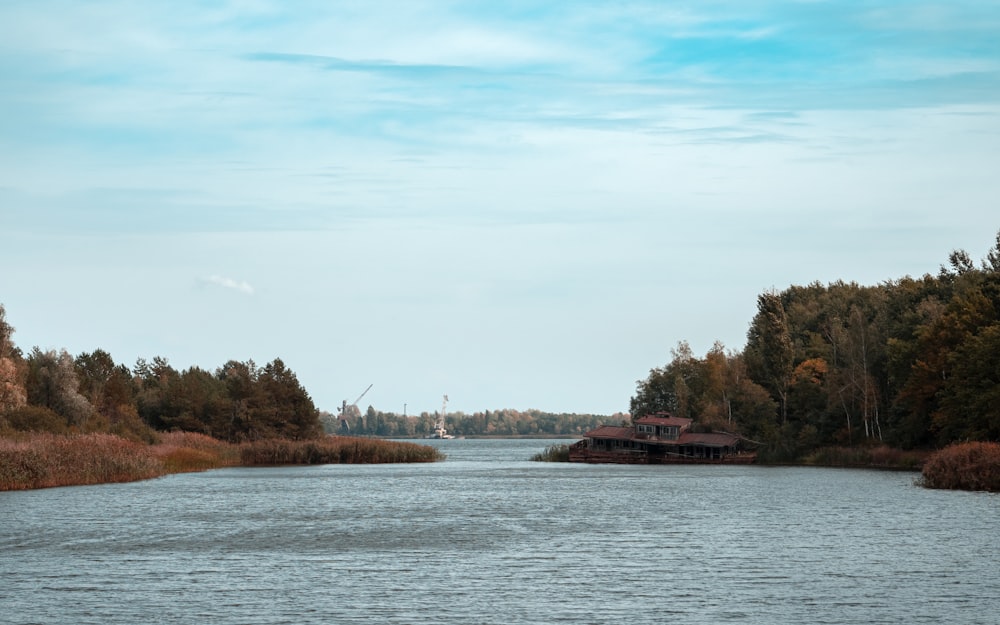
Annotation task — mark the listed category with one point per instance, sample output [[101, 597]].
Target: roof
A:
[[663, 419], [708, 439], [611, 431]]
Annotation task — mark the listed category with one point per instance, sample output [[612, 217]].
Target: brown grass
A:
[[335, 450], [881, 457], [46, 460], [43, 460], [964, 466], [184, 452]]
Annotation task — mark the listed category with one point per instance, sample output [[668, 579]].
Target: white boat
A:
[[439, 431]]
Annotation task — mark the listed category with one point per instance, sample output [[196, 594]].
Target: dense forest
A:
[[54, 391], [910, 363]]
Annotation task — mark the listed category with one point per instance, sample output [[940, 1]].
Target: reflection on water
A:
[[488, 537]]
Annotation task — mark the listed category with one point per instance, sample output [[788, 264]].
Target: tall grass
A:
[[46, 460], [964, 466], [880, 457], [183, 452], [43, 460], [335, 450]]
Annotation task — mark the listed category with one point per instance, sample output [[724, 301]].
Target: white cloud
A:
[[229, 283]]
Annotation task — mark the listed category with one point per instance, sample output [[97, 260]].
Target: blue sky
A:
[[522, 204]]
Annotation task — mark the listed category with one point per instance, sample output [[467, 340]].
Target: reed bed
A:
[[964, 466], [881, 457], [48, 460], [335, 450], [44, 460], [185, 452]]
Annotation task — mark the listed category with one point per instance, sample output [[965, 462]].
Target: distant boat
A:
[[439, 432]]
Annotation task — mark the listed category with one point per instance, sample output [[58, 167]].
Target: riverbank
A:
[[50, 460], [880, 457]]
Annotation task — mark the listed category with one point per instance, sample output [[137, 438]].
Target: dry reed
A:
[[335, 450], [880, 457], [42, 460], [184, 452], [964, 466], [47, 460]]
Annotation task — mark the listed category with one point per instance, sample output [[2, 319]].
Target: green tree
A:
[[153, 382], [672, 388], [289, 411], [240, 379], [769, 352], [970, 396], [992, 261]]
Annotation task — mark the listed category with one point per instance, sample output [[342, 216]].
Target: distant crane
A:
[[439, 429], [356, 412]]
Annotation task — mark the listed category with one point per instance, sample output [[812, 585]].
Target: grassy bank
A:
[[48, 460], [964, 466]]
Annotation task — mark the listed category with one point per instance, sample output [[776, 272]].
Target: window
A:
[[668, 431]]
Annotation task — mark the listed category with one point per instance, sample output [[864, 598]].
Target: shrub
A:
[[36, 419], [964, 466]]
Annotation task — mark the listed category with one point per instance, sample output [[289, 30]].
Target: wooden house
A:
[[659, 439]]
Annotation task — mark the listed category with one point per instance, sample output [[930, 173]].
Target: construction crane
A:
[[439, 429], [356, 412]]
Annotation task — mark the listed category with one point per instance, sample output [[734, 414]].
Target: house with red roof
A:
[[659, 438]]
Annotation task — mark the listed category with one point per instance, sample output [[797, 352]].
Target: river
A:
[[487, 537]]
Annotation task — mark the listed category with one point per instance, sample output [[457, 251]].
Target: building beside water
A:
[[659, 438]]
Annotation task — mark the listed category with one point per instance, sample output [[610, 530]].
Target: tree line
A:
[[911, 363], [505, 422], [240, 401]]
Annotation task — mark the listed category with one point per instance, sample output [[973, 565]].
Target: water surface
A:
[[488, 537]]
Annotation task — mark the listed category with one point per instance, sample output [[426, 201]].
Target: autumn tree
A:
[[12, 371], [52, 384]]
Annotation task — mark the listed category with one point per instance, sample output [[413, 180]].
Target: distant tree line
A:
[[912, 363], [239, 401], [506, 422]]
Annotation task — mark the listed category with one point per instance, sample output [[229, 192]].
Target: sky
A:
[[521, 204]]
